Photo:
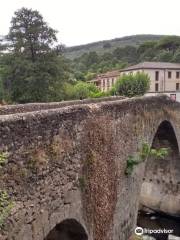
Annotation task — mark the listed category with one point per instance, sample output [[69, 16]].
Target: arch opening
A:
[[160, 191], [165, 137], [69, 229]]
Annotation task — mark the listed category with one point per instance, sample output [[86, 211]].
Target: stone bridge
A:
[[63, 167]]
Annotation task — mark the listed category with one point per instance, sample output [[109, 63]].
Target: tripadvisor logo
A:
[[139, 231]]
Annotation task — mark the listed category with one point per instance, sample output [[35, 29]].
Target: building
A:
[[164, 78], [105, 81]]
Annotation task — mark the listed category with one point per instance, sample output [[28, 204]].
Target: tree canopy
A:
[[131, 85], [82, 90], [33, 71], [30, 35], [90, 63]]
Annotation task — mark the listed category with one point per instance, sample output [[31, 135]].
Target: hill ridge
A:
[[109, 45]]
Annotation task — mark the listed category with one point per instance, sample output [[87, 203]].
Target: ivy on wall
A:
[[144, 152], [6, 204], [3, 158]]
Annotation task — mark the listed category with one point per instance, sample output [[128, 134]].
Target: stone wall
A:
[[30, 107], [69, 163]]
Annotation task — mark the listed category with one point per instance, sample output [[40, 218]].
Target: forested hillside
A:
[[88, 65], [109, 45]]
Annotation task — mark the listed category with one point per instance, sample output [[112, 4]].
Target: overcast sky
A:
[[84, 21]]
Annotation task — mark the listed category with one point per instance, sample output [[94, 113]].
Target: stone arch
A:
[[166, 130], [160, 189], [69, 229]]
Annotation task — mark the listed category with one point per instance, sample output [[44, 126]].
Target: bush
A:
[[82, 90], [99, 94], [132, 85], [145, 152]]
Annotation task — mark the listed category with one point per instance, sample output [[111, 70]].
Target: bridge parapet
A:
[[31, 107], [69, 163]]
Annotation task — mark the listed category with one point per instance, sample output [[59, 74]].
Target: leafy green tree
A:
[[92, 58], [30, 35], [165, 56], [149, 55], [79, 75], [81, 90], [106, 56], [90, 76], [84, 90], [170, 43], [146, 46], [126, 54], [32, 69], [176, 57], [1, 90], [107, 45], [132, 85], [68, 91]]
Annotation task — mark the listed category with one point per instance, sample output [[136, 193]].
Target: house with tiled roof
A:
[[164, 77], [105, 81]]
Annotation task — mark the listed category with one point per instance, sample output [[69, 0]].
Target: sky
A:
[[84, 21]]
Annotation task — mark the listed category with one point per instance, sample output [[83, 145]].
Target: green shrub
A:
[[5, 206], [145, 152], [132, 85], [82, 90], [3, 159], [99, 94]]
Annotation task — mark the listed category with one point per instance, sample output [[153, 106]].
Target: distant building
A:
[[164, 78], [105, 81]]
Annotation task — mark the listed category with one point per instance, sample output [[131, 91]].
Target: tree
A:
[[165, 56], [146, 46], [81, 90], [132, 85], [170, 43], [84, 90], [126, 54], [32, 69], [107, 45], [176, 57], [89, 76], [92, 58], [29, 35]]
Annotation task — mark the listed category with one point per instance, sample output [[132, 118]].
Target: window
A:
[[177, 74], [177, 86], [103, 83], [157, 75], [156, 87], [108, 84], [169, 74], [112, 81]]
